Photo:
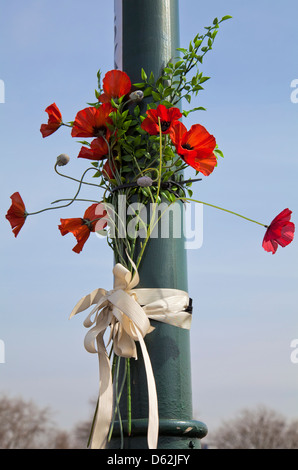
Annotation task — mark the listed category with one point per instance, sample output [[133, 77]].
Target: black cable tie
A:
[[189, 307], [164, 184]]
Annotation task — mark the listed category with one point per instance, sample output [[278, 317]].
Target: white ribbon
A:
[[120, 309]]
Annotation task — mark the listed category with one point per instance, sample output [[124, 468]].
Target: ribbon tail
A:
[[105, 402], [153, 420]]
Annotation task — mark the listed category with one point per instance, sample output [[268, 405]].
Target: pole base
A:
[[173, 434]]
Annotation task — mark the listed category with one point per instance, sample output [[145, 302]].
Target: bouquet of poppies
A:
[[138, 147]]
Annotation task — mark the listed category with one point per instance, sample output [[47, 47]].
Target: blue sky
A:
[[245, 300]]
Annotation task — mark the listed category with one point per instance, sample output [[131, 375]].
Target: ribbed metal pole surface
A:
[[146, 36]]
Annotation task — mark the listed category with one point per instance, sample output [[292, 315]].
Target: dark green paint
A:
[[150, 35]]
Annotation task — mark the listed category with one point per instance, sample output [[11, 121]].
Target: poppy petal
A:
[[280, 232], [116, 83], [168, 118], [54, 120], [89, 120], [16, 214]]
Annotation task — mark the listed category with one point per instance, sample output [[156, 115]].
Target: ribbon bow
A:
[[119, 310]]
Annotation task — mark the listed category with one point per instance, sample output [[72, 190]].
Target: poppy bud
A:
[[137, 95], [62, 159], [144, 181]]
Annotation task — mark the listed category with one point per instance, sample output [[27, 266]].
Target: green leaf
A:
[[167, 175], [204, 79], [99, 79], [156, 96], [84, 142], [127, 148], [168, 91], [165, 194], [160, 88], [145, 192], [125, 169], [177, 72], [219, 152], [114, 104], [188, 98], [143, 74], [148, 91], [200, 108], [186, 113], [140, 152], [227, 17], [140, 85], [136, 111], [125, 114], [127, 157], [177, 64], [169, 152], [181, 49], [151, 79], [172, 197]]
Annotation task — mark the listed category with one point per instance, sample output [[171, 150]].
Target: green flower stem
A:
[[114, 365], [150, 169], [160, 159], [150, 165], [74, 179], [149, 230], [71, 200], [192, 200], [191, 63], [110, 159], [222, 209], [128, 397], [117, 244], [82, 200], [118, 397], [137, 164], [92, 425]]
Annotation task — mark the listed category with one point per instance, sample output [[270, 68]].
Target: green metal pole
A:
[[147, 35]]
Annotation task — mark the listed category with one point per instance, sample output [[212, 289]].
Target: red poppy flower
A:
[[109, 170], [92, 122], [98, 149], [54, 121], [195, 146], [280, 232], [16, 214], [81, 228], [115, 84], [168, 117]]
